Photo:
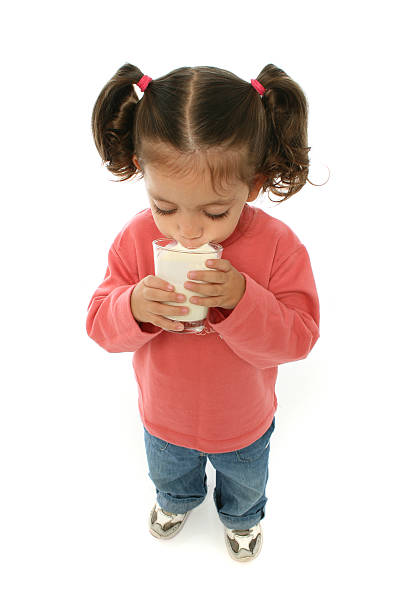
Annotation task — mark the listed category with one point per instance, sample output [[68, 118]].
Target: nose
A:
[[189, 232]]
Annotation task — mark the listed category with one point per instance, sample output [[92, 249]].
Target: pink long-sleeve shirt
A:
[[214, 391]]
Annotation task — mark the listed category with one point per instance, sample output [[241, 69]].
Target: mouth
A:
[[190, 245]]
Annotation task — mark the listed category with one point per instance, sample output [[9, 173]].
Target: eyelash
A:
[[169, 212]]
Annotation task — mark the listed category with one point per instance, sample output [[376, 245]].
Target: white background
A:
[[75, 493]]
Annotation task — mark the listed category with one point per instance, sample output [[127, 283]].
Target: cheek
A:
[[159, 223], [163, 226]]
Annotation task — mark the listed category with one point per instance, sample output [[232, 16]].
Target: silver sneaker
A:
[[165, 525], [244, 544]]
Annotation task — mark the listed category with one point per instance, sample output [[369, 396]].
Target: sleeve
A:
[[278, 324], [110, 322]]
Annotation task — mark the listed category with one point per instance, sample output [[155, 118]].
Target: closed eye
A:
[[159, 211]]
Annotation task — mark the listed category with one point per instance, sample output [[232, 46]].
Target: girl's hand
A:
[[146, 306], [224, 285]]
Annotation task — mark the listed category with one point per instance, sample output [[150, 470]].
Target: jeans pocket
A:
[[156, 442], [255, 450]]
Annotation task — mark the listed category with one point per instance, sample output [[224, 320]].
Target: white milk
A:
[[173, 267]]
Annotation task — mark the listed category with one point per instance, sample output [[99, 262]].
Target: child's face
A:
[[190, 200]]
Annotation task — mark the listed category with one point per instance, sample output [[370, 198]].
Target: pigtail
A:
[[285, 162], [113, 121]]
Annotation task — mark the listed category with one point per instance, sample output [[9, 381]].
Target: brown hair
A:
[[206, 114]]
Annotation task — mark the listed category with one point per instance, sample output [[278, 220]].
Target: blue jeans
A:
[[178, 474]]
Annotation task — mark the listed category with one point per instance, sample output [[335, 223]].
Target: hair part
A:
[[206, 119]]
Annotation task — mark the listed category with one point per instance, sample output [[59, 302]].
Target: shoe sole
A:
[[241, 559], [174, 530]]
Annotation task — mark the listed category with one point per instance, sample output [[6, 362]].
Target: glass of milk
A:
[[173, 261]]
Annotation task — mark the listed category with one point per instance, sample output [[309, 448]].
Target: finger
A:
[[167, 310], [208, 276], [203, 288], [219, 264], [167, 324], [214, 300], [159, 295], [157, 283], [157, 289]]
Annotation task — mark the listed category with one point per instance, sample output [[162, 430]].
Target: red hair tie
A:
[[144, 82], [258, 86]]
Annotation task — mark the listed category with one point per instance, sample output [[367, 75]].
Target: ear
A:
[[257, 184], [136, 162]]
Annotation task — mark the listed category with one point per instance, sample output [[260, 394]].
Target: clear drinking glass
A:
[[173, 265]]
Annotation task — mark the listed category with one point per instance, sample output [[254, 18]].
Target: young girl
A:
[[206, 143]]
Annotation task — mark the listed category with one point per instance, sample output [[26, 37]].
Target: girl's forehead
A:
[[218, 170], [160, 180], [217, 159]]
